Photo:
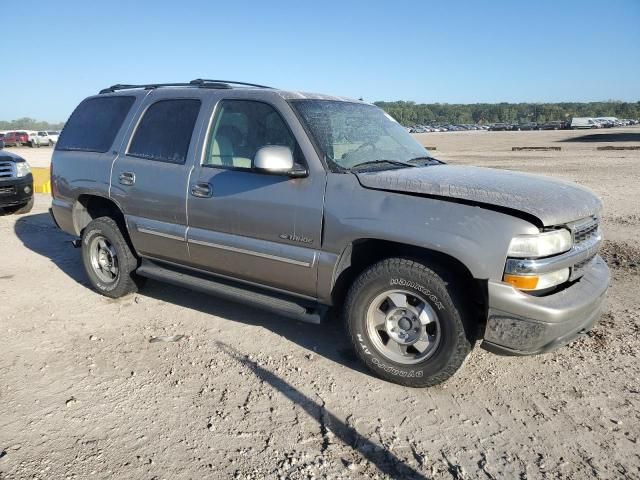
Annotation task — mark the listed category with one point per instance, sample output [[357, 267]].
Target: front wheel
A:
[[108, 259], [405, 325]]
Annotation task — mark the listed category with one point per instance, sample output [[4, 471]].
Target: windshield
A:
[[350, 134]]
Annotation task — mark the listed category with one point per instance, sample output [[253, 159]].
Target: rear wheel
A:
[[405, 325], [108, 259]]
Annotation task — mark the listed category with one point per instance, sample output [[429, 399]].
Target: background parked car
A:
[[555, 125], [53, 136], [526, 126], [16, 138], [499, 127], [34, 141], [44, 139]]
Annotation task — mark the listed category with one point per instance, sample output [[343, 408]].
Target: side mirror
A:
[[277, 160]]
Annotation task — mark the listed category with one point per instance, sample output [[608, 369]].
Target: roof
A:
[[227, 85]]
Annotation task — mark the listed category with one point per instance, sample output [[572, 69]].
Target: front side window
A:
[[165, 131], [240, 129], [349, 134], [94, 124]]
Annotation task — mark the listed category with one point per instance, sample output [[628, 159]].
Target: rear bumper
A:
[[16, 191], [522, 324]]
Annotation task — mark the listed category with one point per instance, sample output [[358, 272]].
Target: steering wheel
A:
[[365, 144], [354, 153]]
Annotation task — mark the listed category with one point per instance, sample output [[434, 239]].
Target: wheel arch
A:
[[88, 207], [362, 253]]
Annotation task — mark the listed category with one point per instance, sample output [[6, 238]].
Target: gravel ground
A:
[[170, 383]]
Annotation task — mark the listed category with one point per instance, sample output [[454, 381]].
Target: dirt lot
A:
[[246, 394]]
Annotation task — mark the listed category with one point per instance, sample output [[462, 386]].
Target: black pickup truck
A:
[[16, 184]]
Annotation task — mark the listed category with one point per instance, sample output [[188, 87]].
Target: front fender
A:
[[477, 237]]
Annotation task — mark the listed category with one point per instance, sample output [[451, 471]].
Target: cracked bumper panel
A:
[[521, 324]]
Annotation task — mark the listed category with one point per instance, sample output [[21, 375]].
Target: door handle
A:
[[127, 178], [202, 190]]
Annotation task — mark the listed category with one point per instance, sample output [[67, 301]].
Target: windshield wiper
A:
[[430, 160], [377, 162]]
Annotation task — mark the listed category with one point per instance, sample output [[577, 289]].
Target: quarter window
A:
[[94, 124], [241, 128], [165, 131]]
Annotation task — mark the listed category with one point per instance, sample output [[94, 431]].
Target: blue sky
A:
[[426, 51]]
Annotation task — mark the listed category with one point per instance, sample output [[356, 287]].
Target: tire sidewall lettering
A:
[[395, 370], [411, 373], [401, 282]]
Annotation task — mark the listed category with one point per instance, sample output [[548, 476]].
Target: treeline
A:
[[411, 113], [29, 124]]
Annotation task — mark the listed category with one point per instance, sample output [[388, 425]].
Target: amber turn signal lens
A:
[[529, 282]]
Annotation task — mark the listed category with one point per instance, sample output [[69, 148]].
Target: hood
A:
[[552, 202], [6, 156]]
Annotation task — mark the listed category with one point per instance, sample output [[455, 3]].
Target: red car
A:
[[16, 138]]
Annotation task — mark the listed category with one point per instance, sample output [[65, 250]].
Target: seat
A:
[[221, 152]]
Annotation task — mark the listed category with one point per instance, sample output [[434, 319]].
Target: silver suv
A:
[[299, 202]]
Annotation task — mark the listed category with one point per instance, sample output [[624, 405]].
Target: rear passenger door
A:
[[149, 180]]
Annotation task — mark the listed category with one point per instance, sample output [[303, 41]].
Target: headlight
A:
[[22, 169], [540, 245]]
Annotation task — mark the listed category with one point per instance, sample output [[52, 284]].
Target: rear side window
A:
[[94, 124], [164, 133]]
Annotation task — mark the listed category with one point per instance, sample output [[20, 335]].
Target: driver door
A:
[[260, 228]]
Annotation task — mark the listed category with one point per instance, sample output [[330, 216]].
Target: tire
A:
[[433, 313], [108, 260], [51, 143]]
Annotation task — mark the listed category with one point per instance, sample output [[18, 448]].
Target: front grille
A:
[[6, 170], [585, 235], [7, 190], [585, 231]]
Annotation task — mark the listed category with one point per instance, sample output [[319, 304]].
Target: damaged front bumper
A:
[[522, 324]]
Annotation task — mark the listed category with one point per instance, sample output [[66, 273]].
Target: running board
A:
[[299, 310]]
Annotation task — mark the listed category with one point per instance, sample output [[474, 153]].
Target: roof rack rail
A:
[[204, 81], [199, 82], [147, 86]]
